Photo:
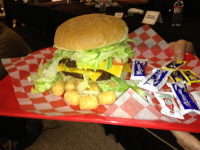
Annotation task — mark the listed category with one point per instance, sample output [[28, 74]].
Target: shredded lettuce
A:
[[47, 73], [121, 87], [120, 52]]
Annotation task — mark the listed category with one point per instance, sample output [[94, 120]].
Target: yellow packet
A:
[[190, 76], [178, 76], [173, 65]]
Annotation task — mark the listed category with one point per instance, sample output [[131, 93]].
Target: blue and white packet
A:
[[196, 97], [155, 81], [138, 69], [186, 102]]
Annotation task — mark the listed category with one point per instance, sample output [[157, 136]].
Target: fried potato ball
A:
[[72, 97], [88, 102], [71, 85], [106, 98], [58, 88], [95, 87]]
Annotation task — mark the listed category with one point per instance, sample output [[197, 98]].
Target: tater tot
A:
[[72, 97], [58, 88], [70, 85], [106, 98], [95, 87], [88, 102], [72, 80]]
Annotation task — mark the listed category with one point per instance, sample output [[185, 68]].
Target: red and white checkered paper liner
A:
[[149, 45], [131, 105]]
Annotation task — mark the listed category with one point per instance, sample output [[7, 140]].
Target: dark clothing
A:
[[134, 138], [13, 128], [11, 45]]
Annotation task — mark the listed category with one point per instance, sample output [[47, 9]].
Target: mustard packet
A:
[[190, 76], [178, 76], [173, 65]]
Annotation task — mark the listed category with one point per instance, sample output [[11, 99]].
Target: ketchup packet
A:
[[138, 69], [186, 102], [168, 104], [173, 65], [156, 80], [148, 98]]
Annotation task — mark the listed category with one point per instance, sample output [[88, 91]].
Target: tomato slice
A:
[[117, 63]]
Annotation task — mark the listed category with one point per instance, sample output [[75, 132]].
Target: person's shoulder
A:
[[11, 43]]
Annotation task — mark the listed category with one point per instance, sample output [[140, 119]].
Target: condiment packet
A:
[[155, 81], [178, 76], [173, 65], [148, 98], [168, 104], [190, 76], [186, 103], [138, 69], [196, 97]]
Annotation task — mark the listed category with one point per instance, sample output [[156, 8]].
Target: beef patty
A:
[[71, 63]]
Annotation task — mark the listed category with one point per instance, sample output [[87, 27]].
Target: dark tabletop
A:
[[47, 16]]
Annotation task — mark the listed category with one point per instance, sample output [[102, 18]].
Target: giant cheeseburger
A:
[[96, 43], [90, 47]]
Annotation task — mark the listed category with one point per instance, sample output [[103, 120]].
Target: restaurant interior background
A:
[[76, 135]]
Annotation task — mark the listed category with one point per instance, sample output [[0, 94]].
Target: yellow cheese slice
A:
[[91, 74], [116, 70]]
